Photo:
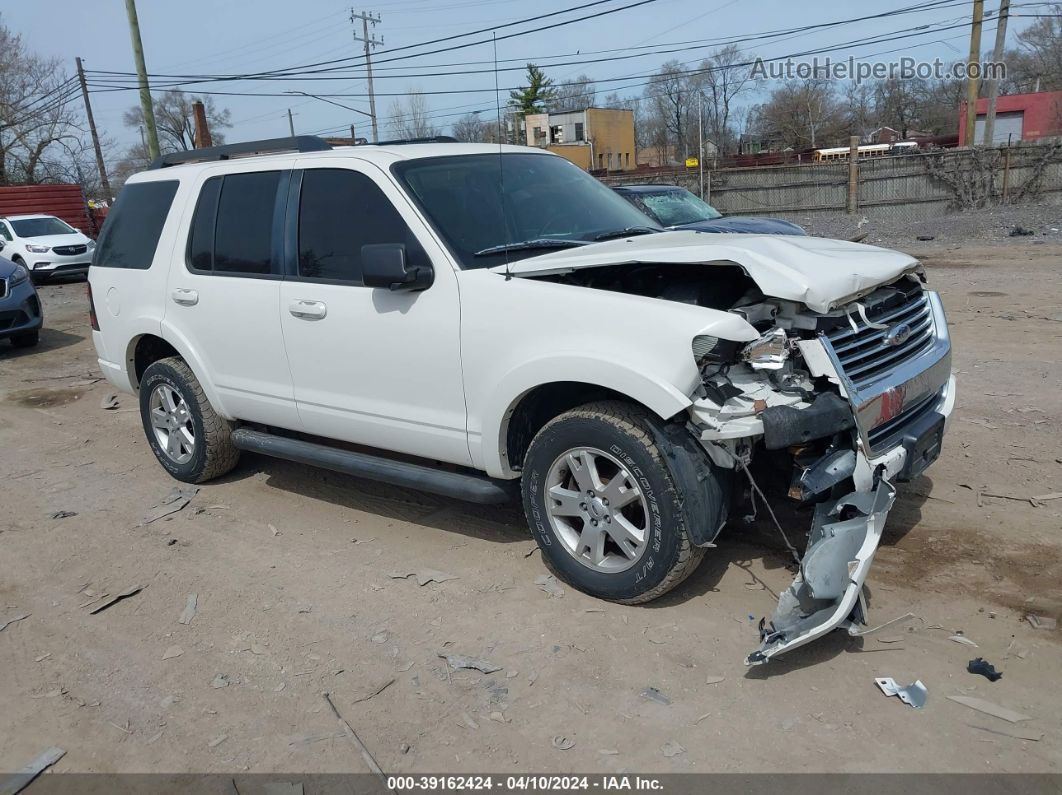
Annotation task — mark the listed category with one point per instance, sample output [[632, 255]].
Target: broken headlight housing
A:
[[769, 352]]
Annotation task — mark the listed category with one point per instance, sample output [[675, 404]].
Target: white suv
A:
[[482, 320], [46, 245]]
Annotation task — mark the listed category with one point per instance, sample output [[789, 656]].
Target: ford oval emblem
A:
[[897, 335]]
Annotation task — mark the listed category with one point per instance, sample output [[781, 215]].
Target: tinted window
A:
[[201, 239], [339, 212], [4, 233], [40, 227], [243, 233], [131, 232]]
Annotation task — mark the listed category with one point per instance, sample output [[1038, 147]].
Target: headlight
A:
[[769, 352], [38, 249], [19, 275], [91, 245], [708, 349]]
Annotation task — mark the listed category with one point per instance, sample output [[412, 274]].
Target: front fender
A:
[[659, 395]]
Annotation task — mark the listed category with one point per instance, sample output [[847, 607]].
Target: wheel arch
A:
[[510, 423], [147, 348]]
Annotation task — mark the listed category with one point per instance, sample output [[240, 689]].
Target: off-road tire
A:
[[27, 339], [215, 454], [630, 433]]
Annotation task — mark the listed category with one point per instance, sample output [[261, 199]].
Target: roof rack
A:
[[434, 139], [298, 143]]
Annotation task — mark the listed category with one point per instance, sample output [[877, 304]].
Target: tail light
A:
[[92, 309]]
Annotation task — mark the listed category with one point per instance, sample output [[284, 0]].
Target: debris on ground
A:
[[178, 497], [365, 755], [375, 691], [424, 576], [671, 749], [653, 694], [608, 751], [132, 590], [548, 583], [21, 779], [217, 741], [989, 708], [219, 681], [458, 661], [963, 639], [981, 666], [273, 530], [63, 514], [190, 605], [562, 743], [714, 680], [915, 694], [20, 617], [1041, 622], [1015, 649], [171, 652], [1018, 732], [109, 402], [1021, 231]]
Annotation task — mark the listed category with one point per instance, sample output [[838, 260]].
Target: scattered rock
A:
[[653, 694], [221, 680], [109, 402], [171, 652], [63, 514], [671, 749], [714, 680], [548, 584], [190, 605]]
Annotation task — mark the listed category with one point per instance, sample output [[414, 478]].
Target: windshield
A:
[[489, 201], [678, 207], [39, 227]]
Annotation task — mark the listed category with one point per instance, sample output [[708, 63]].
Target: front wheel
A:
[[606, 509], [191, 441]]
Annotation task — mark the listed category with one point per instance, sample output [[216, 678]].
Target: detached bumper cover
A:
[[826, 593]]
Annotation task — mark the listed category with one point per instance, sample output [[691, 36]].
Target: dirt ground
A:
[[291, 571]]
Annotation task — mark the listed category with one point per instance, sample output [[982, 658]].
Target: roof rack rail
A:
[[433, 139], [298, 143]]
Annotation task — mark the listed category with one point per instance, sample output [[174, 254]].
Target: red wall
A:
[[1042, 113], [63, 201]]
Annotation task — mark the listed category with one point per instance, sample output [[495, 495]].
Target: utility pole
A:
[[368, 18], [971, 82], [202, 130], [291, 124], [145, 90], [997, 57], [700, 142], [92, 131]]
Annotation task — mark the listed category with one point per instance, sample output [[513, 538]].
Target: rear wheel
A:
[[191, 441], [604, 506]]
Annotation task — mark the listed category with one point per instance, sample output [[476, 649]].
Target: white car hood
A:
[[73, 239], [819, 272]]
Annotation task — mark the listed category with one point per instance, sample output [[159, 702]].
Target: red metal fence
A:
[[63, 201]]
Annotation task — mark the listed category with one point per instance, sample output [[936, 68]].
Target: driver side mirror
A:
[[384, 265]]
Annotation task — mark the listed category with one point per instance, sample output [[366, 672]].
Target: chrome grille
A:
[[67, 251], [863, 352]]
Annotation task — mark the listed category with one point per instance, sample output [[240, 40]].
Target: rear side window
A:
[[232, 229], [131, 232], [339, 212]]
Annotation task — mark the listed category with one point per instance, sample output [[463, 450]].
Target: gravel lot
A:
[[1041, 221], [291, 571]]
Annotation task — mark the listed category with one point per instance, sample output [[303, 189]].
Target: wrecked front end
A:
[[839, 406]]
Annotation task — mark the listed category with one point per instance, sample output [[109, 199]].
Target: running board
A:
[[472, 488]]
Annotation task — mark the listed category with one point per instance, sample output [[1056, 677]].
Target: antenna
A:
[[501, 158]]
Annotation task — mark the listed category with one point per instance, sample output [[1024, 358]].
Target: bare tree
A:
[[1040, 51], [801, 114], [37, 111], [411, 117], [670, 98], [722, 80], [175, 121], [470, 128], [575, 94]]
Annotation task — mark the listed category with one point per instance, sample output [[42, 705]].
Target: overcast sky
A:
[[240, 36]]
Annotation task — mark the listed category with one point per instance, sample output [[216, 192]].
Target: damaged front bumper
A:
[[827, 593]]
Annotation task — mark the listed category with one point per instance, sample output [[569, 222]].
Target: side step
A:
[[473, 488]]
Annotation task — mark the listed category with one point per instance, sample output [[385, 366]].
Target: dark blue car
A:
[[20, 308], [676, 208]]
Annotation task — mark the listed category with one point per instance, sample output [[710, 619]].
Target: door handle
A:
[[308, 310], [185, 297]]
